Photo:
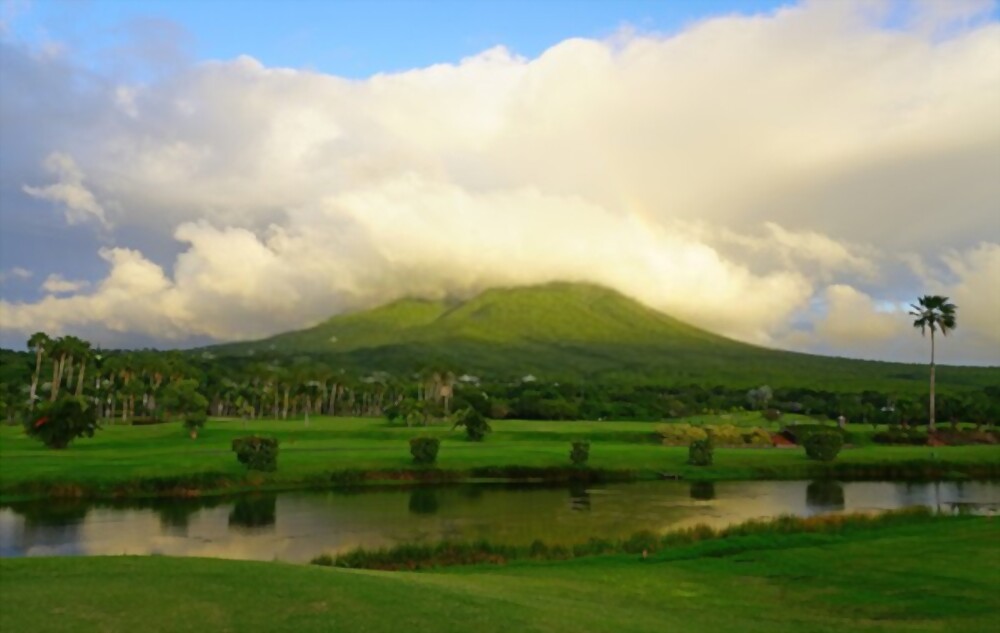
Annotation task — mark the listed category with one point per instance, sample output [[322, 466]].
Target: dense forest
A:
[[145, 386]]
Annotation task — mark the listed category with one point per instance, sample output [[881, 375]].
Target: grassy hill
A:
[[564, 331]]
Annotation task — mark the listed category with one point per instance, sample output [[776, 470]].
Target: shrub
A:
[[757, 437], [899, 435], [726, 435], [257, 453], [771, 415], [61, 421], [195, 421], [824, 446], [643, 540], [700, 452], [580, 453], [424, 449], [799, 433], [680, 434], [476, 426]]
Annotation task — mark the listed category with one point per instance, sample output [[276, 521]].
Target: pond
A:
[[295, 526]]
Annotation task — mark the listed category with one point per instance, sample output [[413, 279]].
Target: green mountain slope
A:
[[573, 331]]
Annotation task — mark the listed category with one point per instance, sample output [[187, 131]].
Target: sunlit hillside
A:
[[572, 331]]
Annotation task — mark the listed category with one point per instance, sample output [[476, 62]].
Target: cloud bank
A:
[[791, 179]]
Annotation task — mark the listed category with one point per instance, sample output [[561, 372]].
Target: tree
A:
[[476, 426], [39, 343], [182, 397], [759, 397], [85, 352], [61, 421], [58, 351], [935, 313]]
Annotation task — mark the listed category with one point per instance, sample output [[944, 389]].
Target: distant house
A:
[[469, 380], [529, 378]]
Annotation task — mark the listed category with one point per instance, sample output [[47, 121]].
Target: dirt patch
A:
[[780, 441]]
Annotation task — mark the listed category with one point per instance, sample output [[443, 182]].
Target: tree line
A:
[[140, 386]]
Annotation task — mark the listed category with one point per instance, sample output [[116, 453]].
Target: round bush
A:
[[424, 449], [823, 446], [257, 453], [700, 452], [580, 453]]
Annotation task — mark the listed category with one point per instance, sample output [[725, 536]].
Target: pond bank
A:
[[801, 588], [208, 484]]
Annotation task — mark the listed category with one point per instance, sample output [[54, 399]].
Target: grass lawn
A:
[[937, 576], [123, 455]]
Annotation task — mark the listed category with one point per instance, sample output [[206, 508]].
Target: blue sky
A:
[[790, 158], [356, 38]]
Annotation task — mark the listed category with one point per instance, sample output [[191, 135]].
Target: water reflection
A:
[[54, 513], [423, 501], [702, 490], [824, 496], [579, 497], [253, 512], [175, 514], [297, 526]]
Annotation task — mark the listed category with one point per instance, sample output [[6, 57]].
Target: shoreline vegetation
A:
[[774, 576], [677, 544], [123, 462]]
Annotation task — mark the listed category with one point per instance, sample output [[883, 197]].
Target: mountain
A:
[[565, 331]]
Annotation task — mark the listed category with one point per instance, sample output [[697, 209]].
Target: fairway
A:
[[127, 460], [930, 576]]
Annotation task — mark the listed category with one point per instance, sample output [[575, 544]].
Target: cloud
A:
[[15, 273], [769, 177], [80, 204], [853, 319], [977, 292], [56, 284]]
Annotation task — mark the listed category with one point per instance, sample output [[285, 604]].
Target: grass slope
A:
[[565, 331], [924, 577]]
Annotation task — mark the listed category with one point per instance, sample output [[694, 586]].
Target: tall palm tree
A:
[[39, 342], [85, 353], [933, 312], [59, 351]]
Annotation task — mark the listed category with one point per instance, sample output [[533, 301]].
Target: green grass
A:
[[922, 577], [564, 331], [118, 458]]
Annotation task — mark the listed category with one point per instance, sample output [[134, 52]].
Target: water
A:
[[295, 526]]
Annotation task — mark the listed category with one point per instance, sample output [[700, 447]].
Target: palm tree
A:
[[59, 351], [86, 353], [38, 342], [934, 312]]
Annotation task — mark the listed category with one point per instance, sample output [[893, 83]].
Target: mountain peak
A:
[[556, 313], [563, 330]]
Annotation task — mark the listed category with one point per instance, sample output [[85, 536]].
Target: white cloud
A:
[[15, 273], [56, 284], [853, 319], [738, 175], [80, 204], [977, 293]]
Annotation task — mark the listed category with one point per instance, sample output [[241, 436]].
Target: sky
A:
[[792, 174]]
